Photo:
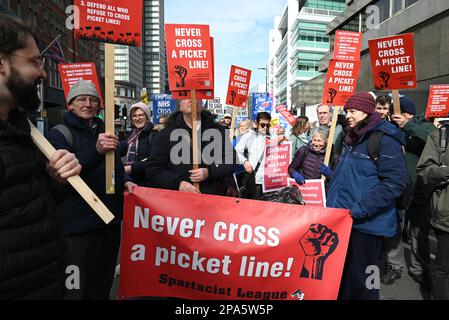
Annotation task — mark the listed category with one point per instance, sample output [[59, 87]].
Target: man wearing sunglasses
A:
[[251, 153], [31, 245]]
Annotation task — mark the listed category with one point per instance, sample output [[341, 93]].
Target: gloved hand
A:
[[325, 170], [299, 178]]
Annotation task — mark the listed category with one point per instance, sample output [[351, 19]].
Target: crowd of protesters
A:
[[45, 225]]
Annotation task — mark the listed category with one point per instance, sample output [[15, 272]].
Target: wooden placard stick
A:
[[76, 182], [436, 122], [330, 139], [109, 114], [196, 126], [234, 118], [396, 102]]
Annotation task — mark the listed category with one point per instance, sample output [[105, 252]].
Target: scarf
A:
[[354, 134], [133, 145]]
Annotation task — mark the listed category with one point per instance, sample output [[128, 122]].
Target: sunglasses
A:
[[263, 125]]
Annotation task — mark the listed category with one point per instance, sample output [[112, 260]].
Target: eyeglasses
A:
[[263, 125], [83, 100], [40, 62]]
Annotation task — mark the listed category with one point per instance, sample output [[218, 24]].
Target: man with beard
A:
[[32, 245]]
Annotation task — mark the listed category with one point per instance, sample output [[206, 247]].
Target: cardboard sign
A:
[[393, 62], [72, 72], [112, 21], [282, 109], [277, 160], [341, 82], [189, 57], [242, 115], [163, 105], [218, 248], [312, 191], [347, 45], [238, 86], [438, 105], [261, 102]]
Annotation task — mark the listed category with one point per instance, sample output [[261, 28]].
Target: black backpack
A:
[[405, 199]]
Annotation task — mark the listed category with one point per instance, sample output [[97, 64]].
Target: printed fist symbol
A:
[[332, 93], [318, 243], [385, 76], [180, 73], [233, 95]]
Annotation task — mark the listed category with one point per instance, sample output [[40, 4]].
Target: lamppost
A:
[[266, 77]]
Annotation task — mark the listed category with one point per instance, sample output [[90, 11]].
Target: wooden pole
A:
[[109, 114], [330, 139], [396, 102], [196, 126], [76, 182], [234, 118]]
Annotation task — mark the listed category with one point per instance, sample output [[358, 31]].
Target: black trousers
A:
[[363, 251], [440, 270], [95, 255]]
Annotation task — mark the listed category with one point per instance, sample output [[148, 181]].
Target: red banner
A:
[[312, 191], [189, 57], [341, 82], [71, 72], [277, 160], [282, 109], [112, 21], [347, 45], [393, 62], [238, 86], [219, 248], [438, 105]]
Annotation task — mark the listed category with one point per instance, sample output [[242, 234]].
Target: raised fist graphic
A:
[[385, 76], [233, 95], [331, 95], [180, 73], [318, 243]]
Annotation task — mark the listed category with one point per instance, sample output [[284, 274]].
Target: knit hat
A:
[[227, 115], [362, 101], [145, 108], [407, 105], [81, 88]]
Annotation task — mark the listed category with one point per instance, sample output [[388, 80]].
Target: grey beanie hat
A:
[[81, 88]]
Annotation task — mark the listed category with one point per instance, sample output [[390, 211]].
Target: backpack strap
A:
[[65, 131], [374, 145], [443, 139]]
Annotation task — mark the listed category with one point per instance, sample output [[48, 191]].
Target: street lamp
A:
[[266, 77]]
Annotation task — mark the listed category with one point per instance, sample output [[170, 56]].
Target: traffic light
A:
[[124, 112], [116, 111]]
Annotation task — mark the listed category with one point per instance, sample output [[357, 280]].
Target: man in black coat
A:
[[170, 165], [32, 246]]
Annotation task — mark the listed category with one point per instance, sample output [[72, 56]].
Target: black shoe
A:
[[391, 275], [423, 279]]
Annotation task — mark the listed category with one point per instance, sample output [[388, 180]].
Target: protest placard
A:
[[393, 62], [219, 248], [261, 102], [238, 86], [163, 105], [277, 160], [438, 105], [112, 21], [282, 109], [347, 45], [341, 82], [312, 191], [72, 72]]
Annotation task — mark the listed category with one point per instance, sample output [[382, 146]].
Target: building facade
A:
[[297, 44], [154, 64]]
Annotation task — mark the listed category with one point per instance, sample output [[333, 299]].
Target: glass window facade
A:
[[336, 5]]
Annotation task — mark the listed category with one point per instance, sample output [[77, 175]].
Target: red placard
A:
[[72, 72], [219, 248], [393, 62], [313, 192], [341, 82], [438, 105], [200, 94], [277, 160], [189, 57], [347, 45], [112, 21], [282, 109], [238, 86]]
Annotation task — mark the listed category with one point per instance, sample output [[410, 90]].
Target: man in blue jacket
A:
[[92, 245]]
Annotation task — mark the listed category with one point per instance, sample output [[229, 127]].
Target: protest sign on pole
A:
[[393, 62], [111, 21], [261, 102], [282, 109], [330, 139], [219, 248], [312, 191], [163, 105], [275, 171], [438, 104], [238, 86], [347, 45], [72, 72], [341, 82]]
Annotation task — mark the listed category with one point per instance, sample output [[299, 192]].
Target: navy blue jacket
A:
[[367, 187], [73, 212]]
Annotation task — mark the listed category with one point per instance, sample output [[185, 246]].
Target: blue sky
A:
[[240, 29]]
